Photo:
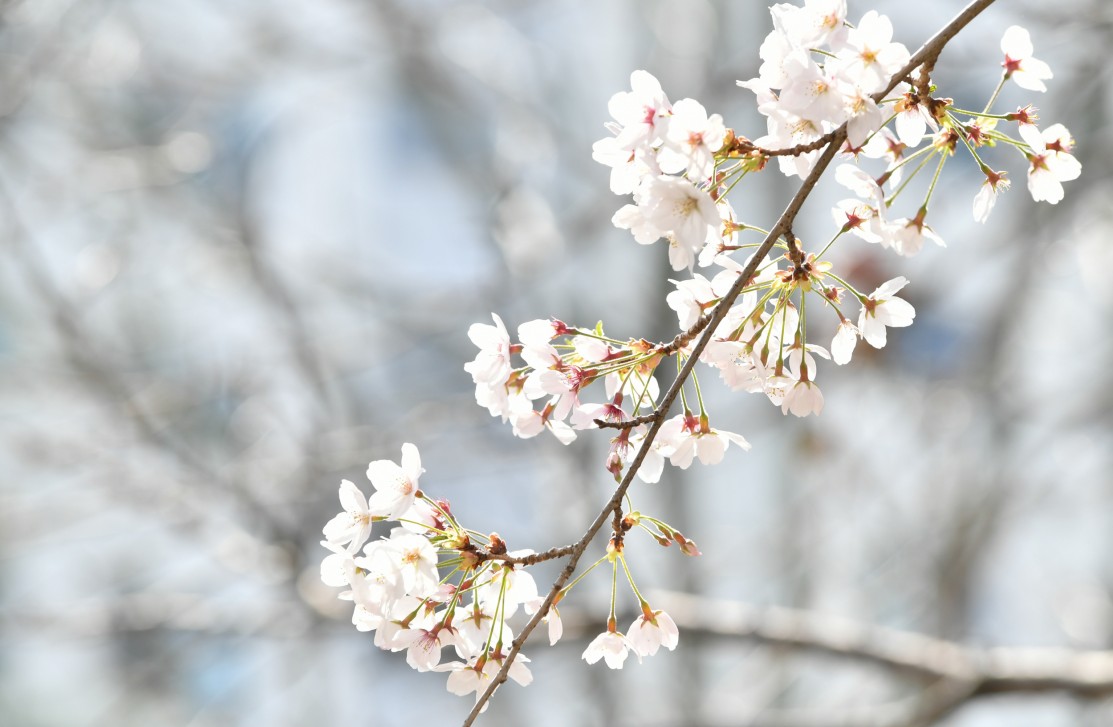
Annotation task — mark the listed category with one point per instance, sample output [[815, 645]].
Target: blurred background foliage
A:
[[243, 242]]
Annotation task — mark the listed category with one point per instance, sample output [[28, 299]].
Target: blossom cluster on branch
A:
[[432, 583]]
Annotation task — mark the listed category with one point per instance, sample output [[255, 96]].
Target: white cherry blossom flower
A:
[[854, 216], [865, 117], [395, 487], [676, 205], [912, 120], [628, 167], [1028, 72], [473, 627], [686, 439], [870, 57], [353, 526], [641, 112], [1051, 161], [423, 646], [907, 235], [416, 560], [691, 142], [475, 676], [492, 363], [883, 309], [818, 22], [652, 630], [802, 398], [633, 217], [814, 93], [611, 646]]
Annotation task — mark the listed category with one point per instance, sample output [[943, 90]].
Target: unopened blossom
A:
[[691, 142], [1028, 72], [611, 646], [395, 486], [652, 630], [492, 363], [353, 526], [883, 309]]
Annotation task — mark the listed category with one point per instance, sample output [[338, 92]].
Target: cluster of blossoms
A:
[[431, 583]]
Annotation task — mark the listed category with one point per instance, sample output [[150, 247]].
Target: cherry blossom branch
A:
[[550, 554], [708, 323], [628, 424]]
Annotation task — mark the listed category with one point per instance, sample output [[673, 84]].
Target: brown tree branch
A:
[[930, 49]]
